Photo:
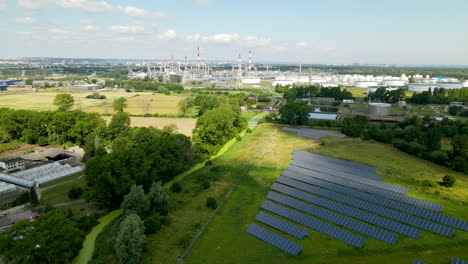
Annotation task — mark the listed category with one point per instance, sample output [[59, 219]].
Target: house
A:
[[12, 164]]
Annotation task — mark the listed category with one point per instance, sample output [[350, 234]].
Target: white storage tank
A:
[[465, 84], [379, 109], [365, 84], [393, 83]]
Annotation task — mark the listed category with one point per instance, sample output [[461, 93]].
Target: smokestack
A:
[[250, 61], [198, 56]]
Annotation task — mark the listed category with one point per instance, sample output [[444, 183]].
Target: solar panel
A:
[[407, 208], [274, 239], [334, 218], [458, 261], [341, 162], [370, 207], [302, 156], [282, 225], [367, 188], [314, 224], [344, 175], [349, 211]]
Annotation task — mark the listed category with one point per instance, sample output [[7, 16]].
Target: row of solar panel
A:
[[458, 261], [370, 207], [421, 212], [351, 177], [334, 218], [349, 211], [314, 224], [274, 239], [367, 188], [303, 156], [340, 162], [282, 225]]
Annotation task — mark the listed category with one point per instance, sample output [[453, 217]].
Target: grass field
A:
[[225, 240], [184, 125], [59, 194]]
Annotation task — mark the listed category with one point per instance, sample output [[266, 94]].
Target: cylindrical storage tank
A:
[[379, 109]]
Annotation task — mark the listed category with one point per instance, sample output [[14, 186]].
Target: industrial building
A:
[[4, 84], [8, 165], [379, 109], [422, 87]]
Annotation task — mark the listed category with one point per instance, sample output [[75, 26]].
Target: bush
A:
[[96, 96], [208, 163], [152, 224], [85, 223], [206, 184], [75, 193], [448, 181], [238, 138], [211, 203], [176, 187], [428, 183], [249, 130]]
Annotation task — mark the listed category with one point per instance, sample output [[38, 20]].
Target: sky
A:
[[295, 31]]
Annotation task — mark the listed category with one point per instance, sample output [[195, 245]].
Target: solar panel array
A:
[[312, 133], [458, 261], [349, 211], [370, 207], [347, 176], [334, 218], [367, 188], [363, 172], [274, 239], [339, 162], [407, 208], [314, 224], [282, 225]]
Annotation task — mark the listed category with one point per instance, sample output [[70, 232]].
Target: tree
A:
[[64, 102], [93, 81], [211, 203], [50, 239], [130, 240], [75, 193], [159, 198], [175, 78], [33, 197], [152, 223], [135, 202], [119, 104], [28, 81], [160, 78], [119, 125], [295, 113], [183, 107], [448, 181]]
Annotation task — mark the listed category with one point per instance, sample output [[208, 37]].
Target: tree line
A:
[[387, 96], [140, 85], [440, 96], [299, 92], [444, 143]]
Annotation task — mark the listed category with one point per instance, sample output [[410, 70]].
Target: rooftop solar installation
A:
[[335, 218], [397, 205], [367, 188], [281, 225], [274, 239], [315, 224], [349, 211], [362, 180], [371, 207], [335, 161], [458, 261], [302, 156]]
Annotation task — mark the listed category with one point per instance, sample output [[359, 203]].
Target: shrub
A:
[[152, 224], [208, 163], [75, 193], [206, 184], [176, 187], [428, 183], [86, 222], [249, 130], [448, 181], [211, 203], [238, 138]]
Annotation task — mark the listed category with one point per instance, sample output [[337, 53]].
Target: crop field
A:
[[225, 239], [184, 125]]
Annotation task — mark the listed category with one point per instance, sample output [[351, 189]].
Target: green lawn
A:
[[225, 240], [59, 194]]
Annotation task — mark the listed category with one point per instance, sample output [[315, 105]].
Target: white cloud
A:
[[301, 44], [3, 5], [168, 35], [139, 13], [60, 31], [127, 28], [204, 2], [85, 6], [89, 28], [227, 38], [25, 20], [33, 4]]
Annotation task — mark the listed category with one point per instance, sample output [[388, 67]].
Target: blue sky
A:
[[297, 31]]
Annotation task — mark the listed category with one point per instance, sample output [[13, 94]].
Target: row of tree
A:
[[440, 96], [421, 137], [299, 92], [144, 85], [387, 96]]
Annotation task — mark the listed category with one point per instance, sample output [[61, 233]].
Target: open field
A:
[[184, 125], [145, 103], [225, 240], [59, 194]]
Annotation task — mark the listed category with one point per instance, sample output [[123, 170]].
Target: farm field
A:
[[184, 125], [225, 239]]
